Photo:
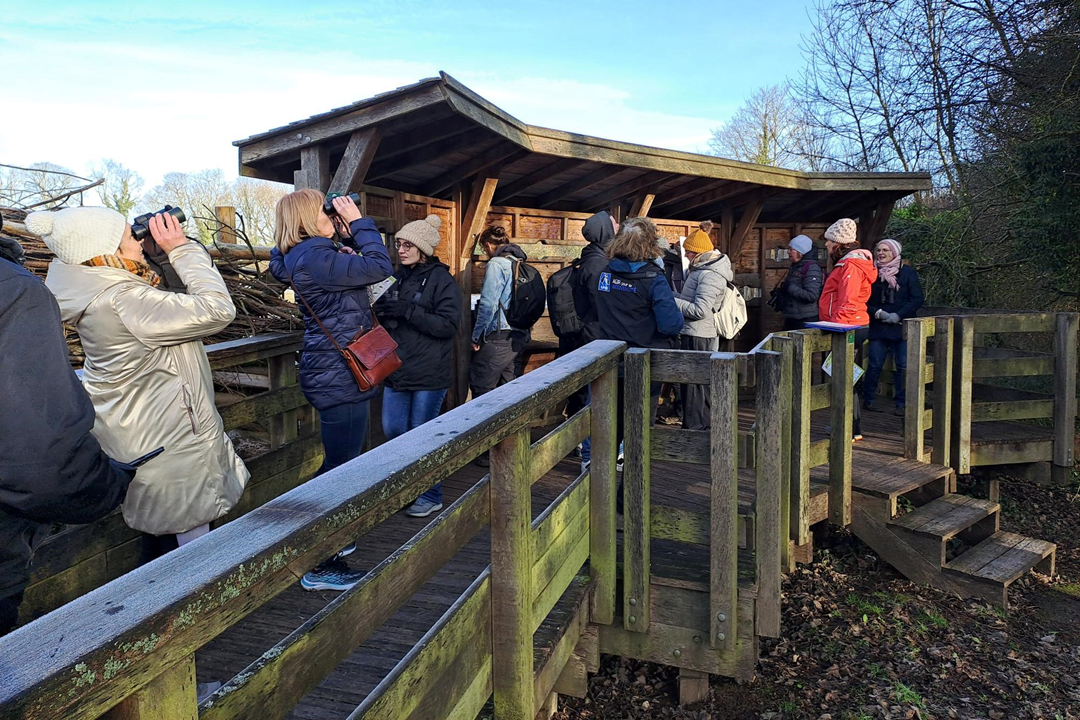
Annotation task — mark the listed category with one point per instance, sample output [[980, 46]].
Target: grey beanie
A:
[[424, 234]]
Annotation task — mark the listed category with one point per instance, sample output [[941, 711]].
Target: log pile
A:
[[260, 305]]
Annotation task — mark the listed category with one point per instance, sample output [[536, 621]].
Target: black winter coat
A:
[[802, 290], [334, 284], [594, 260], [905, 301], [51, 468], [423, 320]]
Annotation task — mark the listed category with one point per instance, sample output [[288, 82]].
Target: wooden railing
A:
[[959, 401], [126, 650], [80, 558]]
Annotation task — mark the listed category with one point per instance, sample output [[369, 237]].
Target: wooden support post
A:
[[915, 330], [549, 708], [943, 370], [724, 501], [1065, 339], [727, 227], [642, 204], [511, 578], [603, 487], [225, 232], [963, 362], [473, 221], [283, 426], [785, 347], [693, 686], [770, 485], [746, 224], [801, 382], [356, 161], [169, 696], [314, 169], [842, 406], [637, 413]]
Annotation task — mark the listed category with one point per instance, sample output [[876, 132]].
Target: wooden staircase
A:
[[951, 541]]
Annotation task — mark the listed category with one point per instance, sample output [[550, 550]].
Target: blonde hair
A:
[[637, 241], [296, 218]]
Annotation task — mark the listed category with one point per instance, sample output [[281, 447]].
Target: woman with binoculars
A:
[[331, 286]]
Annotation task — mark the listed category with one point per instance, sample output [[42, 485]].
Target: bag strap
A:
[[329, 336]]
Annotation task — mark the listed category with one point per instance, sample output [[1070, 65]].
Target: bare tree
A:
[[255, 201], [121, 188], [43, 185]]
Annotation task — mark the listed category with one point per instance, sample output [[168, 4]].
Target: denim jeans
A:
[[879, 350], [408, 410], [344, 429]]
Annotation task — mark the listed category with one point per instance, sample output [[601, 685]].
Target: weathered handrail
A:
[[137, 635]]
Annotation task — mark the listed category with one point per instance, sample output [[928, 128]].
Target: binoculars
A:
[[328, 205], [140, 229]]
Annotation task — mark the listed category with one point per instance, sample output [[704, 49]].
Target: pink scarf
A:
[[888, 271]]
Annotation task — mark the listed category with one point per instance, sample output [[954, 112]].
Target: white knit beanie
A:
[[79, 233], [424, 234], [842, 232]]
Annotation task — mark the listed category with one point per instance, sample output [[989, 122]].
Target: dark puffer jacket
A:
[[599, 231], [423, 321], [905, 301], [334, 284], [802, 290]]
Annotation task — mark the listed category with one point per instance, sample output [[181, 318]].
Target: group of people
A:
[[874, 291], [146, 381]]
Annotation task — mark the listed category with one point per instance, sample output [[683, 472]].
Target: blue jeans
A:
[[408, 410], [879, 350], [344, 429]]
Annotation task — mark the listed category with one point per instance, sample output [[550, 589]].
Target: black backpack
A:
[[526, 296], [560, 301]]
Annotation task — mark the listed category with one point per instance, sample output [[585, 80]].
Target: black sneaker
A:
[[870, 407], [347, 550], [483, 461], [898, 412], [333, 574]]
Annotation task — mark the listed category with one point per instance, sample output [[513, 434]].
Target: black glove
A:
[[396, 309], [10, 249]]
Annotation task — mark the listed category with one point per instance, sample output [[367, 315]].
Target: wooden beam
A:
[[409, 140], [692, 188], [472, 224], [502, 154], [642, 203], [872, 230], [645, 181], [794, 212], [357, 160], [314, 169], [523, 184], [746, 223], [581, 183], [475, 139], [706, 198], [292, 139], [225, 233], [727, 227], [844, 209]]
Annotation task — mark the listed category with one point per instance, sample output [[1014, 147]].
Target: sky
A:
[[164, 87]]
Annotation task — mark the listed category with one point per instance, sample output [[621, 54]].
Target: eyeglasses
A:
[[403, 245]]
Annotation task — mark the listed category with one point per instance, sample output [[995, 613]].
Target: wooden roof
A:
[[437, 132]]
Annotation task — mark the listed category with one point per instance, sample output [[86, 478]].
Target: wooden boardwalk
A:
[[681, 486]]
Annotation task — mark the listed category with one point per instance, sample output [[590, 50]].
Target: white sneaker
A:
[[584, 466]]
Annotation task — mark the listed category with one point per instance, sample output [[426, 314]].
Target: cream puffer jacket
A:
[[149, 378]]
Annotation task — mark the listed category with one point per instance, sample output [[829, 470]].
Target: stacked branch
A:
[[260, 303]]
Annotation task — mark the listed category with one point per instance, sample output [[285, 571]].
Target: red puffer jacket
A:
[[843, 299]]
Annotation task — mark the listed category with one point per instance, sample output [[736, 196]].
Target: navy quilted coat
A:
[[335, 285]]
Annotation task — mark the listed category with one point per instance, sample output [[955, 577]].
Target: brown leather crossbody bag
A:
[[371, 355]]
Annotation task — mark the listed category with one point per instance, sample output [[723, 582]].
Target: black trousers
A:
[[579, 399], [697, 410], [496, 362], [18, 538]]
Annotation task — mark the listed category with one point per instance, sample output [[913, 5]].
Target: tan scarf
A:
[[135, 268]]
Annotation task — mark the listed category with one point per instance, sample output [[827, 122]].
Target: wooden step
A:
[[892, 479], [945, 517], [1002, 558]]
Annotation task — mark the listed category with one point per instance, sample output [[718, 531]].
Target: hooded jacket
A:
[[149, 379], [430, 301], [335, 285], [599, 231], [702, 293], [843, 299], [905, 301], [636, 305], [496, 291]]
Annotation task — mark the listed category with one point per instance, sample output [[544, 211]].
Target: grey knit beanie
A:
[[424, 234]]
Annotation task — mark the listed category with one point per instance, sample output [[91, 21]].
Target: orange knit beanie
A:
[[699, 240]]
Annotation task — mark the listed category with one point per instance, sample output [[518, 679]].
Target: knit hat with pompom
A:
[[79, 233], [700, 241], [424, 234], [842, 232]]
